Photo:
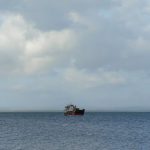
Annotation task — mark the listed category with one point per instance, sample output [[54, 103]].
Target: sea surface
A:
[[94, 131]]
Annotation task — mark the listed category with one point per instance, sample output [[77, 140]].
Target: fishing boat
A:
[[73, 111]]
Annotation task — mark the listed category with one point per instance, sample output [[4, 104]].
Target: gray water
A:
[[94, 131]]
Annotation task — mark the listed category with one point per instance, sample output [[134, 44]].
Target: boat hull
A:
[[75, 113]]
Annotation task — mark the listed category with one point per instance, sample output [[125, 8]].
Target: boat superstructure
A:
[[73, 110]]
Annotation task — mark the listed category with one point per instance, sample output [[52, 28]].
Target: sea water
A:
[[93, 131]]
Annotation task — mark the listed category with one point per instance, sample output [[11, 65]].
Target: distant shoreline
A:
[[85, 112]]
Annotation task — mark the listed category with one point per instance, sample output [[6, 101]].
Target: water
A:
[[94, 131]]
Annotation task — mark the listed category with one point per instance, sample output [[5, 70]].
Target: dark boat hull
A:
[[75, 113]]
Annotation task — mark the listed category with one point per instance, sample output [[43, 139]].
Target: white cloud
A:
[[24, 48], [85, 79], [46, 49]]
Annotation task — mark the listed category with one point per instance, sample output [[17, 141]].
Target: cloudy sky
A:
[[92, 53]]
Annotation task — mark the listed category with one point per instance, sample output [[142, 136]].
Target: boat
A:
[[72, 110]]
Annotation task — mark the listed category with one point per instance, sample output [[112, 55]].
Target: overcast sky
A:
[[92, 53]]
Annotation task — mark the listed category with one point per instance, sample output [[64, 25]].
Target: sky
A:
[[91, 53]]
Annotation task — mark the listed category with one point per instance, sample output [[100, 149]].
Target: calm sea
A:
[[94, 131]]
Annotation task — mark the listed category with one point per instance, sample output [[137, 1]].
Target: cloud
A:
[[91, 50], [48, 48], [84, 79], [24, 48], [83, 21]]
